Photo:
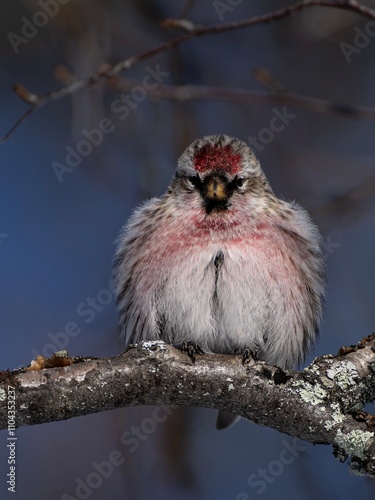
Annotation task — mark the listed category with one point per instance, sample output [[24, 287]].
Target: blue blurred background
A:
[[57, 231]]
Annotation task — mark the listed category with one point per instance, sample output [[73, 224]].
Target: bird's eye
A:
[[240, 181], [194, 180]]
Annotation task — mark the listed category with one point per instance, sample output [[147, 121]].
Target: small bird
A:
[[219, 264]]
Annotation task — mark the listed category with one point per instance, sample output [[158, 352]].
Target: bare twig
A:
[[182, 24], [322, 404], [193, 32], [204, 93], [352, 202]]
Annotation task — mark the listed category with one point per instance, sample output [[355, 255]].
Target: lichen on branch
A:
[[323, 404]]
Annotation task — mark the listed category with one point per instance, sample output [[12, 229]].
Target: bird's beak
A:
[[216, 189]]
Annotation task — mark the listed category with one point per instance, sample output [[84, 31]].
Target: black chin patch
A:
[[216, 205]]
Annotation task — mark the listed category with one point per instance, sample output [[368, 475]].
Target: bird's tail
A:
[[225, 419]]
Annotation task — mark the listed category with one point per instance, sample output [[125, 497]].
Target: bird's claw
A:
[[248, 355], [192, 348]]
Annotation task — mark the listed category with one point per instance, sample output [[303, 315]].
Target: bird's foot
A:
[[192, 348], [248, 355]]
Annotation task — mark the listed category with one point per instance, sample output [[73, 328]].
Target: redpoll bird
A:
[[219, 263]]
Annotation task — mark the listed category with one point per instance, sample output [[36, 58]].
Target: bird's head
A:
[[217, 170]]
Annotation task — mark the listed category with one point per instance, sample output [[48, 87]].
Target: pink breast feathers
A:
[[222, 158]]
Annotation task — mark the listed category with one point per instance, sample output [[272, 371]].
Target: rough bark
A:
[[322, 404]]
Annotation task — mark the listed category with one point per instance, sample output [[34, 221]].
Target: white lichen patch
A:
[[230, 387], [153, 344], [313, 368], [343, 373], [314, 394], [80, 377], [354, 442], [3, 395], [23, 407], [61, 354], [337, 417]]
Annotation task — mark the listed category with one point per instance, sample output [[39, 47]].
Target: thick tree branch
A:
[[322, 404], [192, 31]]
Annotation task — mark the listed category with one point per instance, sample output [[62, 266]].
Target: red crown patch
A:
[[217, 158]]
